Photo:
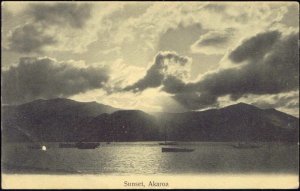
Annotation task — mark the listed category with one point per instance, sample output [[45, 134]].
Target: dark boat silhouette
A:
[[176, 150], [87, 145], [36, 144], [38, 147], [84, 144], [246, 142], [168, 143], [172, 149], [67, 145]]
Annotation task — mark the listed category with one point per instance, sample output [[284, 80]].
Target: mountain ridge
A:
[[118, 109], [68, 120]]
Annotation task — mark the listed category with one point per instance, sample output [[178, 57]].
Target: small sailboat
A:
[[246, 143], [38, 144], [38, 147], [167, 143], [173, 149]]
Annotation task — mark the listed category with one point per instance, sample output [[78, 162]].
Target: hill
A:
[[68, 120]]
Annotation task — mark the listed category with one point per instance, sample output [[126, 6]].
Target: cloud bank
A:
[[35, 78], [30, 38], [74, 15], [268, 64], [72, 26], [167, 66]]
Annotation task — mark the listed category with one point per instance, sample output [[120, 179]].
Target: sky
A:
[[152, 56]]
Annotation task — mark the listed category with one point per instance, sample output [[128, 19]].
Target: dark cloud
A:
[[72, 14], [272, 66], [214, 42], [158, 71], [29, 38], [255, 47], [38, 33], [216, 38], [172, 84], [35, 78]]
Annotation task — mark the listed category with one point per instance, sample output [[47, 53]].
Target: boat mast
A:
[[165, 133]]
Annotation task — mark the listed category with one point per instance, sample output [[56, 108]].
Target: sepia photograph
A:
[[149, 94]]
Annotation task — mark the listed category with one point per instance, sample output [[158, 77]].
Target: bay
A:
[[126, 158]]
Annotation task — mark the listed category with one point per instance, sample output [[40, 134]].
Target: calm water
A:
[[147, 158]]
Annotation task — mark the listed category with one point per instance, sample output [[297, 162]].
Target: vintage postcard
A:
[[150, 95]]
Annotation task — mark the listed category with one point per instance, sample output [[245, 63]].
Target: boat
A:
[[87, 145], [246, 142], [176, 149], [67, 145], [38, 147], [172, 149], [168, 143], [243, 145]]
